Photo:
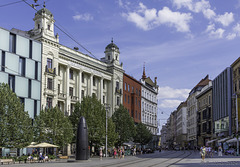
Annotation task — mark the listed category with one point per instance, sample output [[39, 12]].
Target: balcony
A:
[[74, 98], [62, 96], [119, 91], [50, 70]]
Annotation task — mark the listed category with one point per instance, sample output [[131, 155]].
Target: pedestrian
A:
[[100, 154], [123, 152], [203, 153], [220, 151], [115, 153]]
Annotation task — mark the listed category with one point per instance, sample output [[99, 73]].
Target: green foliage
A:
[[143, 135], [124, 125], [15, 123], [95, 115], [53, 127], [111, 133]]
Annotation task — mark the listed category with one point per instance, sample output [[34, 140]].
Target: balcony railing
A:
[[50, 70], [119, 91], [74, 98], [62, 95]]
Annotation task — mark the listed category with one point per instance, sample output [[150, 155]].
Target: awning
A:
[[223, 140], [232, 140], [210, 141], [45, 145]]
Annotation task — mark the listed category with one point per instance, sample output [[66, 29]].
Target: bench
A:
[[63, 157], [4, 161]]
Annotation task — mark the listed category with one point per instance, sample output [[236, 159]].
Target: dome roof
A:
[[44, 10], [112, 45]]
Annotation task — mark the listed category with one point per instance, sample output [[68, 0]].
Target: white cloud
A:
[[169, 103], [209, 13], [213, 32], [225, 19], [231, 36], [148, 19], [85, 17], [235, 33], [168, 92], [183, 3]]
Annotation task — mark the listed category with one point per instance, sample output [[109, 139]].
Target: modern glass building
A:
[[20, 62], [222, 107]]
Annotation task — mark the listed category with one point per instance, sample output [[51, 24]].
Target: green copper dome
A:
[[112, 45], [44, 10]]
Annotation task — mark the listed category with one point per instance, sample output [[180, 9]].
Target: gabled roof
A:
[[201, 84]]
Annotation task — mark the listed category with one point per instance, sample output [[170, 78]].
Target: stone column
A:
[[68, 100], [91, 84], [80, 86], [101, 90]]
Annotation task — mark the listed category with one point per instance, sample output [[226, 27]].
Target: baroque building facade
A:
[[204, 115], [149, 108], [192, 107], [68, 75], [181, 126]]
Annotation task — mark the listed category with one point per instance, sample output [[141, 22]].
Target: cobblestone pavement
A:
[[157, 159]]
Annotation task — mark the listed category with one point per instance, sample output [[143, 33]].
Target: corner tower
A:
[[44, 25], [112, 53]]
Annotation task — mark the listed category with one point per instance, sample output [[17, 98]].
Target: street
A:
[[161, 159]]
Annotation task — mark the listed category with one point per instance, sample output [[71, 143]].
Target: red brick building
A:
[[132, 97]]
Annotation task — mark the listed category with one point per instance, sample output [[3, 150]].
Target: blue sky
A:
[[180, 41]]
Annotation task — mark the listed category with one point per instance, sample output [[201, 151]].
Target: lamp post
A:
[[106, 108]]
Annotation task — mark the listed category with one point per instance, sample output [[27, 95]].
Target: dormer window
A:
[[38, 26], [116, 57], [48, 27]]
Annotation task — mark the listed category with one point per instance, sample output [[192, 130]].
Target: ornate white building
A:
[[149, 102], [68, 75]]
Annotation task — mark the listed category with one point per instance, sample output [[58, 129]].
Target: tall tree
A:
[[15, 123], [95, 115], [124, 125], [143, 135], [112, 136], [53, 127]]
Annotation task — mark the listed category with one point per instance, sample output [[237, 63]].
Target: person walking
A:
[[220, 151], [115, 153], [203, 153], [100, 154]]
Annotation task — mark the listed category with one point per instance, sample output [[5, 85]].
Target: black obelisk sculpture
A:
[[82, 152]]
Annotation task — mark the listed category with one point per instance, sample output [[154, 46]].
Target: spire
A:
[[144, 75]]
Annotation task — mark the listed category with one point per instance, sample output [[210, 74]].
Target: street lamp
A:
[[107, 107]]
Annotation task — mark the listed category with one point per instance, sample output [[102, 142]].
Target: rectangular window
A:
[[21, 66], [103, 99], [132, 113], [49, 102], [132, 100], [82, 93], [58, 88], [118, 101], [117, 84], [36, 70], [29, 88], [22, 100], [103, 84], [11, 82], [129, 88], [49, 63], [70, 91], [82, 78], [94, 81], [30, 49], [132, 89], [136, 101], [125, 98], [50, 83], [125, 86], [128, 100], [35, 108], [12, 43], [3, 61], [71, 74]]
